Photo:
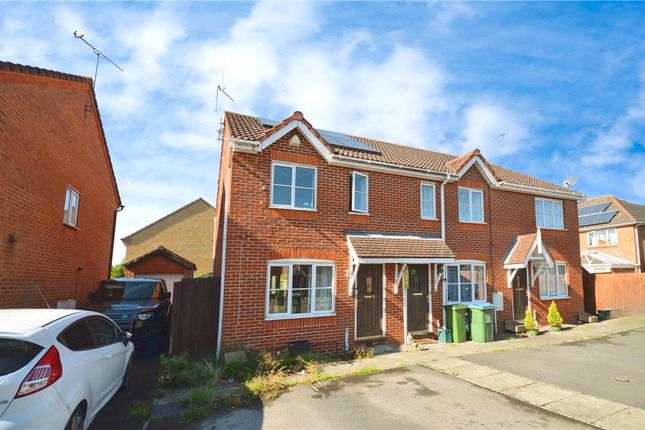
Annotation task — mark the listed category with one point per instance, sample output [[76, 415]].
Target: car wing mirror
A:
[[127, 337]]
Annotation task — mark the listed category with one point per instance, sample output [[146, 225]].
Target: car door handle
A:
[[108, 356]]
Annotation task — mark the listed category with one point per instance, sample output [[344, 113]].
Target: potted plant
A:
[[529, 323], [554, 317]]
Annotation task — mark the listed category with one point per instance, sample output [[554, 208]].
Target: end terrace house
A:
[[337, 239]]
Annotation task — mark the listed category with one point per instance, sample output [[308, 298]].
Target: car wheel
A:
[[126, 377], [77, 420]]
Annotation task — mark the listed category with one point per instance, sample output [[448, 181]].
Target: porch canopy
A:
[[599, 262], [382, 248], [527, 249]]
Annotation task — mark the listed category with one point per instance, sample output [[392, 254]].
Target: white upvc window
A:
[[70, 213], [293, 186], [465, 283], [553, 282], [360, 192], [300, 289], [428, 204], [471, 205], [603, 237], [548, 213]]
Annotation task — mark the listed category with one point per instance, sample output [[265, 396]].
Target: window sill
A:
[[298, 316], [473, 222], [359, 213], [554, 297], [71, 226], [603, 246], [291, 208], [429, 219], [552, 228]]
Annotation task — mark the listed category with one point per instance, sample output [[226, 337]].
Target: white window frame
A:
[[70, 217], [367, 193], [562, 291], [313, 313], [554, 202], [471, 191], [593, 236], [458, 265], [433, 216], [293, 167]]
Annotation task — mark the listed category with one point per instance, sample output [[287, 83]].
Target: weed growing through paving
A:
[[139, 409], [365, 371], [180, 371]]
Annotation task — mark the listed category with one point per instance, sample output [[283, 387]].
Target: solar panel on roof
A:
[[267, 122], [588, 210], [596, 218], [345, 141]]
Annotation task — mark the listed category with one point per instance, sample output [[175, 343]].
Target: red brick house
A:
[[612, 235], [336, 239], [59, 194]]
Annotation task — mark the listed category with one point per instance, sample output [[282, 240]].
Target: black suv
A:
[[140, 306]]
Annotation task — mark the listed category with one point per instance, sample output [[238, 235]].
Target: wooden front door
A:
[[520, 301], [369, 295], [418, 306]]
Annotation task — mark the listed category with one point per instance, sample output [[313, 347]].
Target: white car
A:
[[59, 367]]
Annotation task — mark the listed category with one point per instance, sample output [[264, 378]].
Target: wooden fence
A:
[[617, 291], [195, 317]]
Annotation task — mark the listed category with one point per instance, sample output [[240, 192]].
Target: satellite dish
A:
[[570, 181]]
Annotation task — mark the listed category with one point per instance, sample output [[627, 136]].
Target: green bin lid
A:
[[459, 306], [482, 306]]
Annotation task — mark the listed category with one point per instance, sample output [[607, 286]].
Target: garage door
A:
[[170, 278]]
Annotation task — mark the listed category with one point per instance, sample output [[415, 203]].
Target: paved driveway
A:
[[611, 367], [412, 397]]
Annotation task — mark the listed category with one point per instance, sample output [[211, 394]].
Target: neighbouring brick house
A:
[[319, 234], [612, 235], [176, 246], [59, 195]]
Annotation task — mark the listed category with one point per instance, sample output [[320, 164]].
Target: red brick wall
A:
[[50, 138], [157, 264], [257, 234]]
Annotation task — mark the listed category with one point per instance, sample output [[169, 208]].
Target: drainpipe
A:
[[116, 211], [443, 215], [638, 248]]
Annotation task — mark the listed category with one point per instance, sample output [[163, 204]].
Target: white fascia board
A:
[[242, 145], [571, 195], [404, 260], [514, 266], [510, 253], [485, 171], [320, 147]]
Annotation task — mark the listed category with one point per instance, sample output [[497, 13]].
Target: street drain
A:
[[621, 379]]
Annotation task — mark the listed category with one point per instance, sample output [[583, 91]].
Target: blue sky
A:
[[564, 83]]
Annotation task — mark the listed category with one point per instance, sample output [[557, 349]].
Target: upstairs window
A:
[[428, 206], [360, 186], [70, 214], [548, 213], [293, 186], [471, 205], [602, 237]]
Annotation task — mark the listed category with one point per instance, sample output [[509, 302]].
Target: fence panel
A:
[[618, 291], [195, 317]]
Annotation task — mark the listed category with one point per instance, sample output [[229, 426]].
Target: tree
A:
[[529, 321], [554, 317], [117, 270]]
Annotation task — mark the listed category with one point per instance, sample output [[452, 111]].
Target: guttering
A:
[[638, 250], [244, 145], [425, 173], [540, 191]]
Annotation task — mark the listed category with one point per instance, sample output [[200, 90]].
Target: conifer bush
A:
[[554, 317]]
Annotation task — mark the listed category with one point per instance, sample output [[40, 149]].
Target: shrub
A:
[[179, 371], [139, 409], [554, 317], [529, 321], [363, 351], [267, 386]]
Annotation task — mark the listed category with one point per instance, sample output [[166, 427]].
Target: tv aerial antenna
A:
[[570, 181], [221, 89], [98, 54]]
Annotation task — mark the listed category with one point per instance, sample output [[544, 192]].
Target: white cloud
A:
[[448, 11], [495, 130]]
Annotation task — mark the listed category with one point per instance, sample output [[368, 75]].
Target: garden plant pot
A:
[[556, 328], [532, 332]]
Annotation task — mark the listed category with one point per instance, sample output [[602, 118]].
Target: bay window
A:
[[465, 283], [293, 186], [548, 213], [553, 281], [300, 289]]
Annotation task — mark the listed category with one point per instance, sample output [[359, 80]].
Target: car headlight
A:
[[144, 315]]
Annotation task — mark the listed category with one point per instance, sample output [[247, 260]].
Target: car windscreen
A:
[[15, 354], [128, 291]]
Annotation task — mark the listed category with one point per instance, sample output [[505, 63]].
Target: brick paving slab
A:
[[539, 394], [499, 382], [585, 408], [627, 419]]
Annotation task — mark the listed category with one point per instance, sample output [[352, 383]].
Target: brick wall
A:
[[257, 233], [50, 138], [187, 232]]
